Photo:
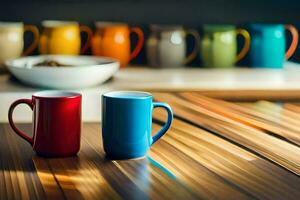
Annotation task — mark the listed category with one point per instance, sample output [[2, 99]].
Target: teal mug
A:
[[268, 45], [219, 46], [127, 121]]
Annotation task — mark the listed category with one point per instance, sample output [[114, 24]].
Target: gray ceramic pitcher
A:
[[166, 46]]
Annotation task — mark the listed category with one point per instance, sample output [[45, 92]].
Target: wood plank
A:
[[16, 161], [237, 167], [293, 107], [48, 180], [248, 95], [271, 148], [274, 119]]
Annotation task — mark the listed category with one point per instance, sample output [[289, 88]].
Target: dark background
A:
[[190, 13]]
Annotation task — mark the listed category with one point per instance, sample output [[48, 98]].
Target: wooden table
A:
[[214, 150]]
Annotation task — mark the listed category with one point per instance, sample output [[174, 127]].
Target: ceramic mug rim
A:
[[265, 25], [103, 24], [57, 23], [166, 27], [4, 24], [129, 95], [56, 94]]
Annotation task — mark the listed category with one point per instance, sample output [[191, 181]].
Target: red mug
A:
[[56, 123]]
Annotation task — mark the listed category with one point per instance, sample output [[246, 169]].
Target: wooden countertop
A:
[[214, 150]]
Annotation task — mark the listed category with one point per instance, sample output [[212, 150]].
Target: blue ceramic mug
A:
[[127, 121], [268, 45]]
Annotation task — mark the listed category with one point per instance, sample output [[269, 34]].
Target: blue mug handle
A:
[[167, 125]]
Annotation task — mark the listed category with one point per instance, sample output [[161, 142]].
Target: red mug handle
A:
[[11, 122]]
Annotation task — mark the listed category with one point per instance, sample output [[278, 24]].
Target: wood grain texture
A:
[[214, 150], [252, 94]]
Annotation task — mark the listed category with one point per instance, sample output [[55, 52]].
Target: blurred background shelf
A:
[[190, 13], [240, 84]]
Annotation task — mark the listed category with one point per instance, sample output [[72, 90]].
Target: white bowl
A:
[[85, 71]]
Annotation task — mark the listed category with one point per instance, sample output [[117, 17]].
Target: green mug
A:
[[219, 45]]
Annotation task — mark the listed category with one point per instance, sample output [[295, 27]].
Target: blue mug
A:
[[268, 45], [127, 121]]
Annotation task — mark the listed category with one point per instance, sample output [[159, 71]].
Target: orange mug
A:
[[113, 40], [63, 37]]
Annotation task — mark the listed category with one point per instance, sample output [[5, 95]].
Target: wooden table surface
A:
[[214, 150]]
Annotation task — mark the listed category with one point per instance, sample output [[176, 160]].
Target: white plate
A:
[[85, 71]]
